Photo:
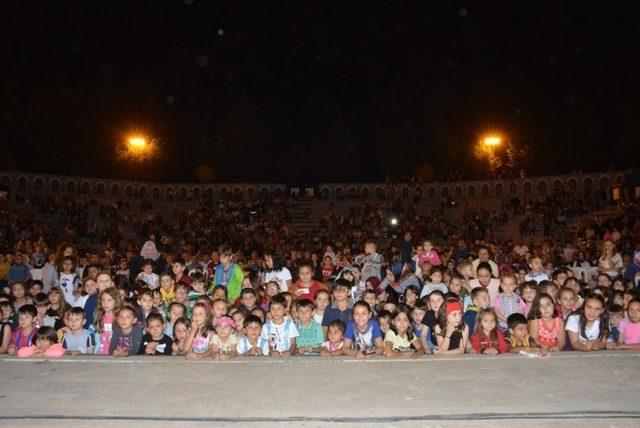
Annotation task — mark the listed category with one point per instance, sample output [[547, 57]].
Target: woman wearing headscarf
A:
[[148, 251]]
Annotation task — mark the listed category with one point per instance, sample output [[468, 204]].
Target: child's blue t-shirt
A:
[[363, 340]]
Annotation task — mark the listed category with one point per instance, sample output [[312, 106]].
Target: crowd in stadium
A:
[[233, 278]]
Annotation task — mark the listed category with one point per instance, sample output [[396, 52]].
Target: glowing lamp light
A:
[[138, 148], [394, 221], [492, 141], [137, 142]]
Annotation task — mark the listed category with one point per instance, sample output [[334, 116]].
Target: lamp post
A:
[[137, 149]]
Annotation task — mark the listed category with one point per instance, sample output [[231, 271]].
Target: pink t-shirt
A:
[[105, 335], [431, 257], [630, 331]]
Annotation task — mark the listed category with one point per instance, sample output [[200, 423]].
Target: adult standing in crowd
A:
[[148, 252]]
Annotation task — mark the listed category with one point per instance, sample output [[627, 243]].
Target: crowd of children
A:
[[371, 307]]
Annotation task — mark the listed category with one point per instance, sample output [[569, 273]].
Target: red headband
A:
[[452, 307]]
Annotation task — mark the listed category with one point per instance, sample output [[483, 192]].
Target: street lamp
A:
[[137, 143], [492, 141], [138, 148]]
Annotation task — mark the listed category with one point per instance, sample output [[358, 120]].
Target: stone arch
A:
[[71, 186], [208, 192], [405, 193], [380, 193], [22, 183], [557, 184], [238, 193], [55, 185], [115, 189], [528, 186], [170, 193], [619, 179], [224, 192], [366, 192], [444, 191], [142, 191], [251, 192], [99, 189], [588, 185], [604, 182], [498, 189], [182, 193], [5, 179], [38, 184], [431, 193], [155, 192], [264, 192], [195, 192], [278, 192], [392, 192], [471, 191], [513, 188], [573, 184], [485, 190], [458, 192], [542, 186], [86, 187], [128, 190]]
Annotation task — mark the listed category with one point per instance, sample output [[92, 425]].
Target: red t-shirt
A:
[[310, 291]]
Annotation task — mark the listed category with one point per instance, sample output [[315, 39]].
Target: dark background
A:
[[317, 91]]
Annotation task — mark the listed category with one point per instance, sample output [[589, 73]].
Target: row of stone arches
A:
[[433, 192]]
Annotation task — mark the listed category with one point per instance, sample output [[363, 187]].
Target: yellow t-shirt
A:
[[400, 343]]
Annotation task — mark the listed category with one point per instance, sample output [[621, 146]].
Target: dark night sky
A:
[[349, 90]]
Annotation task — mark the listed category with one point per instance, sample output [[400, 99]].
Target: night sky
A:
[[317, 91]]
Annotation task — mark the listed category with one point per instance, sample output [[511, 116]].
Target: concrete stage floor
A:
[[567, 389]]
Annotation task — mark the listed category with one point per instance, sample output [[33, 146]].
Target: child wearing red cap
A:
[[451, 332]]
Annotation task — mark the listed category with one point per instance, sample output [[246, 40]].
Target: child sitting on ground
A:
[[44, 342], [480, 300], [507, 302], [630, 327], [23, 336], [127, 336], [224, 342], [519, 338], [487, 338], [251, 344], [400, 340], [363, 336], [310, 332], [280, 332], [154, 341], [335, 344], [545, 326], [77, 340]]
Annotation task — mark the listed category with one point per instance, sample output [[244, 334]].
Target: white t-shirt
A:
[[318, 317], [493, 288], [278, 336], [573, 324], [280, 277], [244, 345], [617, 264]]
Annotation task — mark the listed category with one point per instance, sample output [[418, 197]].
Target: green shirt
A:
[[309, 335]]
